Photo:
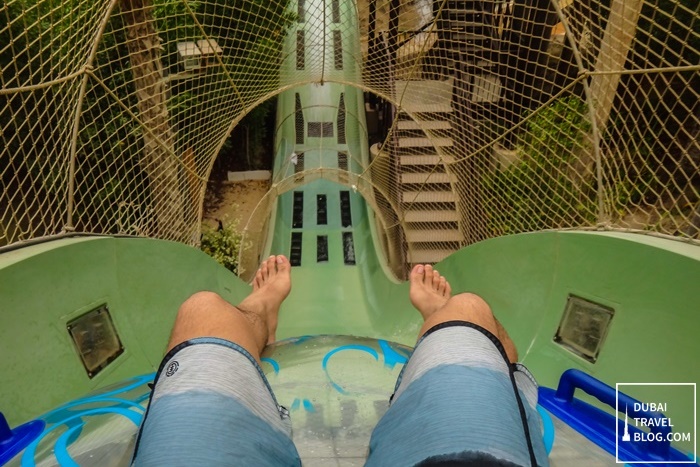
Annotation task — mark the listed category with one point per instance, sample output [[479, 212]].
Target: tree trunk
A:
[[616, 44], [158, 157]]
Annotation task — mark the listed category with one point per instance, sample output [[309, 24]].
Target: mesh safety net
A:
[[484, 118]]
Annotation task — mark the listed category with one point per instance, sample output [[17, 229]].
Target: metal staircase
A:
[[463, 61], [423, 146]]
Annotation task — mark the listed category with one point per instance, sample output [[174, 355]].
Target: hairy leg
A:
[[430, 294], [251, 324]]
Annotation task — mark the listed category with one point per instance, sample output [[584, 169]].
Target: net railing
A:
[[485, 118]]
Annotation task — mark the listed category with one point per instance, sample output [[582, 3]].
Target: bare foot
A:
[[429, 290], [271, 286]]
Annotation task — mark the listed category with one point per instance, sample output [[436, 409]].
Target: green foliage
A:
[[627, 164], [50, 38], [542, 190], [223, 243]]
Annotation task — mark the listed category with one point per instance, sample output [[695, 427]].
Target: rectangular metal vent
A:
[[348, 249], [345, 211], [298, 210], [336, 10], [321, 248], [299, 168], [301, 52], [295, 250], [338, 50], [321, 210], [300, 11], [96, 339], [298, 119], [341, 119], [320, 130], [583, 327]]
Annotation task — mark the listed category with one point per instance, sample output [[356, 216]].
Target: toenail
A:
[[280, 260], [420, 269]]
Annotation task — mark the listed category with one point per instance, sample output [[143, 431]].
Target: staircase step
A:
[[420, 255], [426, 159], [425, 96], [433, 235], [434, 177], [432, 125], [424, 142], [431, 215], [428, 197]]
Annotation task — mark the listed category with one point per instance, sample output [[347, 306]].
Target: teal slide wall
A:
[[45, 286]]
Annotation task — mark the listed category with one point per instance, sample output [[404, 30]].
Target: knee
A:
[[198, 303], [472, 303]]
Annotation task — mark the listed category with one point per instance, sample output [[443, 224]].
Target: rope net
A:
[[479, 118]]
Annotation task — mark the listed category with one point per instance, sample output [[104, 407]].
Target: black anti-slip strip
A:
[[321, 248], [298, 120], [298, 210], [321, 210], [337, 51], [301, 50], [295, 250], [345, 210], [301, 16], [341, 113], [342, 160], [335, 5], [348, 249]]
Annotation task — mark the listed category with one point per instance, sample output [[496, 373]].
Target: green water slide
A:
[[615, 307]]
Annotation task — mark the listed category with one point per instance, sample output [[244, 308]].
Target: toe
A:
[[282, 263], [264, 272], [442, 283], [258, 278], [417, 274], [271, 268], [428, 279], [436, 279], [448, 289]]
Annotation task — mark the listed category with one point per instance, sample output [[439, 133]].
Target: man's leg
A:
[[251, 324], [461, 399], [211, 404]]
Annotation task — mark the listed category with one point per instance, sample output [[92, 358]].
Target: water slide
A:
[[347, 327]]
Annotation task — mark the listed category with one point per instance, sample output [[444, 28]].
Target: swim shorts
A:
[[212, 406], [459, 401]]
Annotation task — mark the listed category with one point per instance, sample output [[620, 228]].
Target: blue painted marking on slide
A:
[[297, 340], [308, 406], [55, 414], [548, 425], [61, 448], [30, 452], [391, 356], [362, 348], [71, 416], [275, 365], [295, 405]]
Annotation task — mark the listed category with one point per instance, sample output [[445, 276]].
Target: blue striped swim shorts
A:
[[459, 402], [212, 406]]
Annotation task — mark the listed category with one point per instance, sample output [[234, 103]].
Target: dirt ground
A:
[[233, 200]]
